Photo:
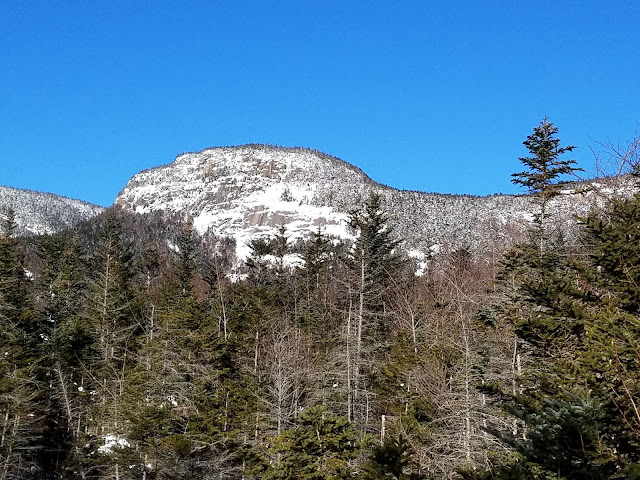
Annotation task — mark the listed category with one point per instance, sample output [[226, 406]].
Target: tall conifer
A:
[[545, 170]]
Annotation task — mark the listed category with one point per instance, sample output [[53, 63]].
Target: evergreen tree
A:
[[315, 276], [110, 310], [280, 250], [186, 264], [391, 460], [67, 349], [580, 320], [320, 447], [372, 263], [374, 249], [110, 297], [317, 258], [257, 263], [22, 420], [12, 285], [183, 376], [545, 170]]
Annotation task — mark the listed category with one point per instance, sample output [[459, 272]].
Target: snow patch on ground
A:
[[417, 254], [422, 261], [111, 441]]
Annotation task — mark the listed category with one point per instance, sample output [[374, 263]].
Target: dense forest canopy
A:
[[125, 356]]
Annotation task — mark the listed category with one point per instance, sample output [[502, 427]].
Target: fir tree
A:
[[318, 448], [256, 262], [110, 310], [22, 421], [68, 349], [372, 263], [545, 169], [315, 279], [317, 258], [186, 264], [580, 320], [390, 461]]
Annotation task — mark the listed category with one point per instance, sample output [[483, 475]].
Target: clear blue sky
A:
[[432, 96]]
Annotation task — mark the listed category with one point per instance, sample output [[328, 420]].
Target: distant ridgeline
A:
[[38, 212]]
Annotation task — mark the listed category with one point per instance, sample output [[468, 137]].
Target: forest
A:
[[125, 356]]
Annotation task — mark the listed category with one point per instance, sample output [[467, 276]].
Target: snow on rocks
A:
[[244, 192]]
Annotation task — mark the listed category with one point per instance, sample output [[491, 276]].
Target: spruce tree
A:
[[319, 447], [315, 276], [317, 257], [581, 322], [22, 412], [67, 350], [256, 263], [186, 265], [372, 264], [115, 322], [544, 170], [391, 461]]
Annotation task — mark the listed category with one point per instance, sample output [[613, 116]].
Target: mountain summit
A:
[[251, 190]]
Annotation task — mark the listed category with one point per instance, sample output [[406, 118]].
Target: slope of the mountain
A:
[[39, 212], [249, 191]]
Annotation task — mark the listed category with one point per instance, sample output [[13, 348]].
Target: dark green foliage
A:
[[151, 424], [186, 264], [374, 265], [513, 468], [566, 435], [12, 284], [319, 447], [280, 243], [578, 316], [391, 460], [544, 174], [62, 281], [317, 258], [544, 166], [319, 263], [615, 239], [209, 376], [24, 453], [110, 306], [256, 263], [373, 255]]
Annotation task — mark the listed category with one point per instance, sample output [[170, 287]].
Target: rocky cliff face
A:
[[38, 212], [249, 191]]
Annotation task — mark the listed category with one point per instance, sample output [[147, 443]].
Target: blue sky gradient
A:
[[431, 96]]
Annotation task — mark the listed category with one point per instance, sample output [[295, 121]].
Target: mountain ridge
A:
[[44, 212], [248, 191]]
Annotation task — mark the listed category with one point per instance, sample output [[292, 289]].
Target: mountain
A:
[[38, 212], [249, 191]]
